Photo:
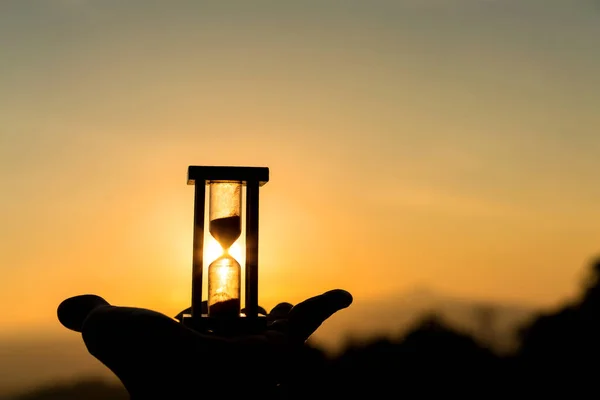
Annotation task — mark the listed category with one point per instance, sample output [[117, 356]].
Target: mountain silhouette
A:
[[397, 313]]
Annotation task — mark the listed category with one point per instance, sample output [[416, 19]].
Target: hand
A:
[[155, 356]]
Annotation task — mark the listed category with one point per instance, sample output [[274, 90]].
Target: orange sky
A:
[[408, 144]]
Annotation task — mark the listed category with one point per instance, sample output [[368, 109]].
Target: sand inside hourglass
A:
[[225, 309], [226, 231]]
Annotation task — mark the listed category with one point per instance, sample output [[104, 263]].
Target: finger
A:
[[73, 311], [280, 311], [261, 311], [306, 317], [188, 311]]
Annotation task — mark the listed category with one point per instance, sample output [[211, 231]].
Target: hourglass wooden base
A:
[[226, 326]]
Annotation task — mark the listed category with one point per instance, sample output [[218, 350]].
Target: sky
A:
[[451, 144]]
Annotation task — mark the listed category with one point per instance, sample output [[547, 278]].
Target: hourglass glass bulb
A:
[[224, 274]]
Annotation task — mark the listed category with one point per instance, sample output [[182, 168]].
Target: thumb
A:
[[73, 311], [306, 317]]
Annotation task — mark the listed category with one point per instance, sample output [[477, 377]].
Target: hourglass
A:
[[223, 313]]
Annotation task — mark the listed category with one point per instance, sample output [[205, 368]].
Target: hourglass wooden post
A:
[[223, 312]]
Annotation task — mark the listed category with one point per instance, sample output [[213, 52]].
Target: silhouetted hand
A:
[[155, 356]]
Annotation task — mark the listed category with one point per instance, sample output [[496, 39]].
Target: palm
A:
[[153, 354]]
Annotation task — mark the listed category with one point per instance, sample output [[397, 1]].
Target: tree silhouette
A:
[[563, 348]]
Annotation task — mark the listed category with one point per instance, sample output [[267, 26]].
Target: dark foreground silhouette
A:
[[88, 389], [557, 355]]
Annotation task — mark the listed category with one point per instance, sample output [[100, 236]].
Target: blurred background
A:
[[436, 158]]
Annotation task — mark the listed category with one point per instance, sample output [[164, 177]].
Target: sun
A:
[[213, 250]]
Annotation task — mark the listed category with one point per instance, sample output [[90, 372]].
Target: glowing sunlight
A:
[[213, 250]]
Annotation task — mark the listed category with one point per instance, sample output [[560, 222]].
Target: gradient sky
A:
[[447, 143]]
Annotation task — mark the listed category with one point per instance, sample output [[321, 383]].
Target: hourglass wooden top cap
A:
[[218, 173]]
